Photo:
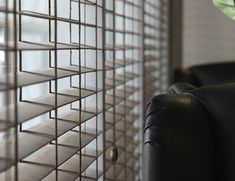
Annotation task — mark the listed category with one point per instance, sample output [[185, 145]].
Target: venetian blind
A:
[[155, 42], [52, 117], [71, 87], [122, 139]]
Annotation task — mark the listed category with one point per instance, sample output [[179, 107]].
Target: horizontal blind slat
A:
[[31, 77], [37, 106]]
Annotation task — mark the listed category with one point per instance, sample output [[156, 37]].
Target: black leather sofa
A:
[[207, 74], [190, 135]]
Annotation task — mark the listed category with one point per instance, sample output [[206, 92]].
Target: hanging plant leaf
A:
[[226, 6]]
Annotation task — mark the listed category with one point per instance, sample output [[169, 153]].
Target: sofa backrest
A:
[[209, 74], [219, 102]]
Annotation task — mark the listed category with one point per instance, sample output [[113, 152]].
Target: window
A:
[[71, 87]]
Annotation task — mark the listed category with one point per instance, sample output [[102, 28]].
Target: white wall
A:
[[209, 35]]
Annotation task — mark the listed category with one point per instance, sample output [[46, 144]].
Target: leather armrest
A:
[[177, 143], [180, 88]]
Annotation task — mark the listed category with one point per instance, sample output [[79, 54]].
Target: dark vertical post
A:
[[175, 35]]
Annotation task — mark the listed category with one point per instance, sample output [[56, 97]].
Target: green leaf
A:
[[226, 6]]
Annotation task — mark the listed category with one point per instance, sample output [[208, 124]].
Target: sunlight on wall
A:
[[208, 34]]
